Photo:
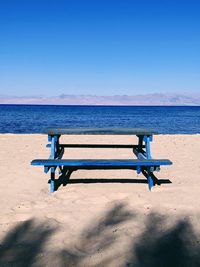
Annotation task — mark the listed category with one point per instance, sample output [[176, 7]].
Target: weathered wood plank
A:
[[96, 131]]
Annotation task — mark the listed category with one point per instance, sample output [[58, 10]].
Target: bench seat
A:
[[100, 163], [145, 164]]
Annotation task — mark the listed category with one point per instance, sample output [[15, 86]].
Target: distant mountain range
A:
[[132, 100]]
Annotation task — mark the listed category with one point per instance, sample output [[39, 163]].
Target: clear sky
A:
[[99, 47]]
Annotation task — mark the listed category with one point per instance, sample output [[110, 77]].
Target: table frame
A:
[[141, 151]]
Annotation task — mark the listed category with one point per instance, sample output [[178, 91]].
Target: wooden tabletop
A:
[[99, 131]]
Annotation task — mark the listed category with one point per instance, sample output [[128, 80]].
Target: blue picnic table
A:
[[142, 151]]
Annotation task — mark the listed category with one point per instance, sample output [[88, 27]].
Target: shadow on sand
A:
[[64, 179], [173, 247], [23, 244], [97, 239], [157, 246]]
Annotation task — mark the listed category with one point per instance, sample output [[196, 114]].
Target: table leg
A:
[[139, 151], [147, 140], [54, 149], [149, 178], [138, 169], [52, 180], [54, 145]]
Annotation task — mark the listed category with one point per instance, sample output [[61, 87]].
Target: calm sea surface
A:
[[34, 118]]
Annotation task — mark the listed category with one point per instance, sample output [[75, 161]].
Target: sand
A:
[[101, 218]]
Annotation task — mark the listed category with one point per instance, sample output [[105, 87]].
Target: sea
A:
[[163, 119]]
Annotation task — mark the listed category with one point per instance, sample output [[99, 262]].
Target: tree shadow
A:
[[100, 236], [23, 243], [157, 246], [172, 247]]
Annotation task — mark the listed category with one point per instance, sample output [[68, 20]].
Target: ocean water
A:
[[34, 118]]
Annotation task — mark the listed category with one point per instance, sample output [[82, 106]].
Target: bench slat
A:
[[104, 163]]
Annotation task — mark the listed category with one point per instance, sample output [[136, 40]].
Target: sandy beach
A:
[[100, 218]]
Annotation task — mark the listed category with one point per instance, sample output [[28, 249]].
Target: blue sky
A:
[[99, 47]]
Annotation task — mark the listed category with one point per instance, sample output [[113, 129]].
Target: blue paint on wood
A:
[[52, 180], [141, 156], [46, 169], [143, 161], [52, 156], [147, 140], [79, 163], [54, 146], [150, 182], [138, 169], [49, 138], [148, 137], [140, 153], [149, 178]]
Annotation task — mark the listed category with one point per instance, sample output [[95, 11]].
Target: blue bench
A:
[[100, 163], [149, 165], [144, 161]]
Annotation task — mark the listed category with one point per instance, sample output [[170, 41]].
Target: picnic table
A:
[[142, 151]]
